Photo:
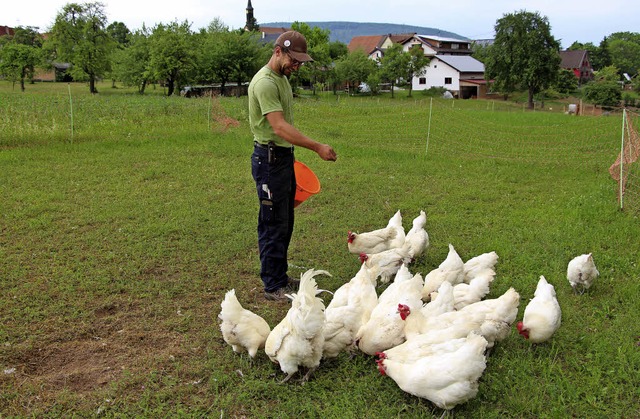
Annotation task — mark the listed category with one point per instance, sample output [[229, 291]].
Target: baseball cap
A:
[[294, 44]]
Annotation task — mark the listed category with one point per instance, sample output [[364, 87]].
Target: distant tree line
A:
[[524, 55]]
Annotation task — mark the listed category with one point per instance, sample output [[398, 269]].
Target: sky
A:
[[570, 20]]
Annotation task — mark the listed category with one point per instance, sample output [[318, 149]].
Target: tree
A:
[[17, 62], [172, 53], [480, 51], [248, 57], [567, 81], [316, 71], [624, 48], [524, 54], [20, 55], [319, 48], [230, 55], [337, 50], [354, 68], [131, 64], [394, 65], [119, 33], [314, 36], [610, 73], [604, 93], [79, 37], [417, 65], [602, 57], [121, 36]]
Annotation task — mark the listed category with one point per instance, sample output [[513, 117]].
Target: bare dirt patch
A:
[[119, 339]]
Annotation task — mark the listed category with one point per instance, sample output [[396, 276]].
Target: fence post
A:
[[429, 126], [209, 110], [70, 110], [624, 117]]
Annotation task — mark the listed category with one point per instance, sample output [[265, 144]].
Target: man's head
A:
[[291, 50]]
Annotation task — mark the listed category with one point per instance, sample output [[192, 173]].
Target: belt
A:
[[278, 149]]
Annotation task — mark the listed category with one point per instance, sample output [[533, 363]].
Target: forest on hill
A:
[[344, 31]]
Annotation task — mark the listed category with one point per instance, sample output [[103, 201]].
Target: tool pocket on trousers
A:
[[267, 212]]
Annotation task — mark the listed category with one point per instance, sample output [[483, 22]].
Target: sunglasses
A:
[[294, 62]]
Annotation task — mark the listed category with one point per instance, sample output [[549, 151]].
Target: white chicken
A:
[[420, 346], [349, 309], [503, 308], [450, 270], [447, 379], [376, 241], [542, 316], [242, 328], [385, 327], [479, 265], [491, 318], [581, 272], [417, 237], [385, 264], [441, 302], [465, 294], [298, 339]]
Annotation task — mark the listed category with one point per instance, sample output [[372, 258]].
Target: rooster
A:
[[241, 328], [349, 309], [446, 378], [542, 316], [581, 272], [376, 241], [385, 327], [450, 270], [417, 238], [386, 263], [298, 339]]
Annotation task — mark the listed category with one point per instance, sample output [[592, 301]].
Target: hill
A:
[[344, 31]]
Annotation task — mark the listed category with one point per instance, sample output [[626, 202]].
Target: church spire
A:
[[252, 24]]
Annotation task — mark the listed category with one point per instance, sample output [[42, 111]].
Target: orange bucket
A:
[[307, 183]]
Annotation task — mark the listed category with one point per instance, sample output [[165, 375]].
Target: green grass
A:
[[117, 245]]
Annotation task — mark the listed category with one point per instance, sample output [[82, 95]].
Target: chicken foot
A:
[[307, 375]]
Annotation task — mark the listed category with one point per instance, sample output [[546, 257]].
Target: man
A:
[[274, 136]]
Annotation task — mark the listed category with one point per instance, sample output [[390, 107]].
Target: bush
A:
[[603, 93], [549, 94], [374, 81], [434, 91], [567, 81], [629, 99]]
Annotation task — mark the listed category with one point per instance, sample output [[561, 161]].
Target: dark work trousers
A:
[[276, 187]]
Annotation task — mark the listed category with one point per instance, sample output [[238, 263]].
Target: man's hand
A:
[[326, 152]]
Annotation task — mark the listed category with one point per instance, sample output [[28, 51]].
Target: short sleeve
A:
[[266, 92]]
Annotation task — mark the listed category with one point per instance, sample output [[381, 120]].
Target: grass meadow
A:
[[119, 238]]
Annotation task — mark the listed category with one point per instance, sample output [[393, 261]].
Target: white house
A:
[[451, 67], [462, 75]]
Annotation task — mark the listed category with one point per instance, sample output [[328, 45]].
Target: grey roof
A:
[[445, 39], [572, 58], [462, 63]]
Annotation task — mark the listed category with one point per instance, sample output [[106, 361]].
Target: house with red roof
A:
[[578, 62], [6, 30]]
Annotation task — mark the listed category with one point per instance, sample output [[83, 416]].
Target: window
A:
[[447, 80], [455, 46], [422, 80]]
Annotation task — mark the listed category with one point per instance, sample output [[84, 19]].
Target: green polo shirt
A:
[[269, 92]]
